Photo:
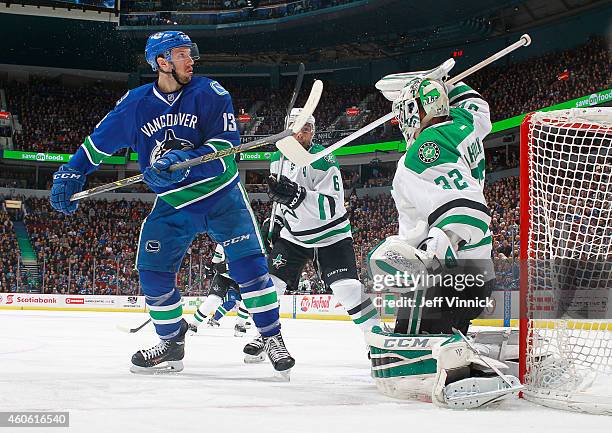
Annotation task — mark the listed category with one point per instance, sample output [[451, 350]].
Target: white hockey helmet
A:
[[430, 95], [295, 112]]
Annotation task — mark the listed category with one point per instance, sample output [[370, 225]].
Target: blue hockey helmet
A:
[[161, 43]]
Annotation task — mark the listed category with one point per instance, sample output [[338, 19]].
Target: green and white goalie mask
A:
[[420, 93]]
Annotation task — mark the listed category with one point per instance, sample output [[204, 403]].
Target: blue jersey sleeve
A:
[[220, 129], [114, 132]]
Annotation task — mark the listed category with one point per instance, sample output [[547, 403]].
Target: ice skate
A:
[[280, 358], [254, 351], [165, 357], [239, 330]]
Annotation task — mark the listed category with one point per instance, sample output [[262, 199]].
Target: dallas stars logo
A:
[[429, 152], [330, 158], [279, 261]]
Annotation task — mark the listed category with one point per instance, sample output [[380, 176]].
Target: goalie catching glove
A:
[[285, 191]]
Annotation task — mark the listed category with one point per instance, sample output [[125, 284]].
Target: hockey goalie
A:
[[443, 250]]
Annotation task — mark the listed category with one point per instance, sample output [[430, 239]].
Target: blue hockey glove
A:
[[158, 175], [66, 181]]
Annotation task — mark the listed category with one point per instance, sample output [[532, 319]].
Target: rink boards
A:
[[326, 307]]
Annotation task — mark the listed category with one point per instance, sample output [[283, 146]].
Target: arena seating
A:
[[93, 251], [56, 117]]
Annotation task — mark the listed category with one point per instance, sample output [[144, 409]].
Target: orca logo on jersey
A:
[[153, 246], [170, 142]]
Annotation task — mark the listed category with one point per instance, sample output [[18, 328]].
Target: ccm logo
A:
[[406, 342], [236, 240], [66, 176]]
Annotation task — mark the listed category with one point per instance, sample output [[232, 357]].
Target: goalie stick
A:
[[309, 108], [296, 90], [300, 157]]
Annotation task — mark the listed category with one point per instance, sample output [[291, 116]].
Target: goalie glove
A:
[[285, 191]]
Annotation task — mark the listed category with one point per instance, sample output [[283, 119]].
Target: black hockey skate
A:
[[279, 356], [193, 327], [254, 351], [239, 330], [212, 323], [165, 357]]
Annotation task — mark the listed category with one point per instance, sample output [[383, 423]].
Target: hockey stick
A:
[[300, 121], [296, 90], [133, 330], [300, 157]]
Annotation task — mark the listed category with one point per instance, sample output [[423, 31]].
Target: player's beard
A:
[[182, 79]]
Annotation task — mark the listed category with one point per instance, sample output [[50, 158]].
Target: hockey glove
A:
[[209, 271], [286, 192], [158, 174], [66, 181], [272, 237]]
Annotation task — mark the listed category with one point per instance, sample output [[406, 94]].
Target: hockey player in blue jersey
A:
[[176, 118]]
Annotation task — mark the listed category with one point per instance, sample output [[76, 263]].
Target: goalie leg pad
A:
[[402, 364], [434, 368]]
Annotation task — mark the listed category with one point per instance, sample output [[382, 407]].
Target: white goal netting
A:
[[567, 301]]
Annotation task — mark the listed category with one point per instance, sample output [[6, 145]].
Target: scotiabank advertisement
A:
[[16, 301]]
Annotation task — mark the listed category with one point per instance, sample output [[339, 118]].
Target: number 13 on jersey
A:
[[229, 122]]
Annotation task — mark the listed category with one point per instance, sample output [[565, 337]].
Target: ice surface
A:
[[79, 362]]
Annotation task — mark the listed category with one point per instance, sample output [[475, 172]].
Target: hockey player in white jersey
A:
[[311, 223], [223, 295], [443, 230]]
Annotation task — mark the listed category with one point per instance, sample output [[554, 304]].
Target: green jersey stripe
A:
[[199, 190], [458, 91], [345, 229], [322, 206], [167, 315], [485, 241], [260, 301], [454, 204], [360, 320], [95, 155], [464, 219]]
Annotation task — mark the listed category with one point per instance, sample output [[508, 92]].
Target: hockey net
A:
[[566, 259]]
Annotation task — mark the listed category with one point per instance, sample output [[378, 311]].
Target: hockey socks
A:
[[359, 306], [243, 315], [163, 301], [258, 292], [211, 303], [223, 309]]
